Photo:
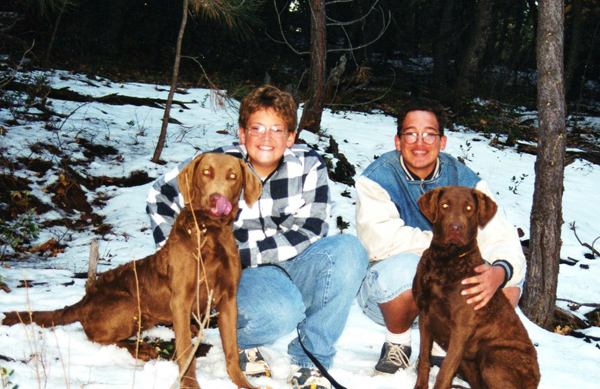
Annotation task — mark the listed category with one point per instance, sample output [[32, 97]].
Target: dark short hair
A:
[[268, 96], [423, 105]]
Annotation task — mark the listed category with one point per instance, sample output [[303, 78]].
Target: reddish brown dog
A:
[[173, 283], [489, 347]]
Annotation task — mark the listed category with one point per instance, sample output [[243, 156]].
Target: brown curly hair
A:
[[268, 96]]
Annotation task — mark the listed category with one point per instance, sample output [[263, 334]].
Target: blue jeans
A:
[[314, 293], [385, 280]]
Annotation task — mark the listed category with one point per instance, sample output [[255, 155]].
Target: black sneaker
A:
[[436, 360], [307, 378], [253, 363], [393, 357]]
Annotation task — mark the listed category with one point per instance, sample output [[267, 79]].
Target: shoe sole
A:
[[379, 372], [258, 374], [383, 373], [295, 384]]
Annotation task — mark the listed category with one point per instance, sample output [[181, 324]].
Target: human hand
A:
[[483, 285]]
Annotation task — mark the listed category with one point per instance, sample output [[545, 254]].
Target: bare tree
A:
[[313, 107], [317, 81], [165, 121], [478, 39], [440, 47], [237, 15], [61, 11], [546, 215]]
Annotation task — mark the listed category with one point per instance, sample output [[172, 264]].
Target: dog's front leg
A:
[[227, 319], [181, 308], [459, 337], [423, 366]]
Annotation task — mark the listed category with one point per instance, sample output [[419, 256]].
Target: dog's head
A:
[[456, 212], [212, 183]]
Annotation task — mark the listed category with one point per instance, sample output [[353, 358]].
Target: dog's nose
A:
[[456, 228], [214, 198]]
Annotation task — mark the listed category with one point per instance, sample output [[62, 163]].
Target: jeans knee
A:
[[281, 324], [271, 322], [350, 255]]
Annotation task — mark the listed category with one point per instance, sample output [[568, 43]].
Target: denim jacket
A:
[[389, 221], [404, 193]]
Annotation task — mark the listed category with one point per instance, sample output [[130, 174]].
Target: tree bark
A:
[[165, 122], [474, 52], [440, 50], [539, 296], [313, 107]]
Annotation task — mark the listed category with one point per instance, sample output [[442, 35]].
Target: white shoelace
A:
[[252, 354], [397, 356]]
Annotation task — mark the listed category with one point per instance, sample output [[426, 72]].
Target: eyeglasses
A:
[[259, 130], [427, 137]]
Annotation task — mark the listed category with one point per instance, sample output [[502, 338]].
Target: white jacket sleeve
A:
[[379, 226], [499, 241]]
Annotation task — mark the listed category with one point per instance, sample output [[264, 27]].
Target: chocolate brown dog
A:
[[176, 280], [489, 347]]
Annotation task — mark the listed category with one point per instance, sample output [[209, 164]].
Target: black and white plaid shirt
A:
[[290, 215]]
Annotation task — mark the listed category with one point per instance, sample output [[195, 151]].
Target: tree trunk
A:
[[474, 52], [546, 214], [440, 50], [313, 107], [54, 31], [165, 122], [517, 44]]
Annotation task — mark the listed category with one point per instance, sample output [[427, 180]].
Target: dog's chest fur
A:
[[215, 264], [438, 286], [442, 268]]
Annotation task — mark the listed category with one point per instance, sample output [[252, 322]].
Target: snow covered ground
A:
[[64, 358]]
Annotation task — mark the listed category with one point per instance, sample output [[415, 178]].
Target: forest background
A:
[[479, 58], [484, 49]]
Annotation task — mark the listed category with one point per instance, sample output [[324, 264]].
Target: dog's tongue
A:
[[222, 206]]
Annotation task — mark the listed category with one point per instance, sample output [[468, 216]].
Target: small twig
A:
[[591, 247], [62, 360], [13, 74], [203, 324], [593, 305], [200, 260], [139, 307], [32, 338]]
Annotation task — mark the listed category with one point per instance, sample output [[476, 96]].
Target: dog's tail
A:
[[63, 316]]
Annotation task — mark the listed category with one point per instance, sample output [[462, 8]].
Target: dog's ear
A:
[[428, 203], [185, 179], [486, 208], [252, 185]]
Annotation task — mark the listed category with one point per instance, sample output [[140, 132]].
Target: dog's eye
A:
[[232, 176], [445, 205], [206, 172], [469, 208]]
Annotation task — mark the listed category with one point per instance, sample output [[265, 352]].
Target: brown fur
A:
[[489, 347], [168, 280]]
